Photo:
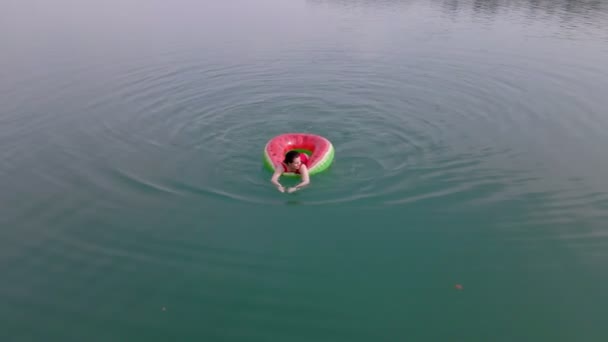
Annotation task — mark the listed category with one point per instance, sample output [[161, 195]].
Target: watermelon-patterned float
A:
[[319, 150]]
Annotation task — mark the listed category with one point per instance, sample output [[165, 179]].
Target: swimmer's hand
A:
[[305, 180], [275, 178]]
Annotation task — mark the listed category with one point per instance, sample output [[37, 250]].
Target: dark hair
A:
[[290, 156]]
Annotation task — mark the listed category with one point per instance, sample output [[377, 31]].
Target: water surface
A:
[[470, 149]]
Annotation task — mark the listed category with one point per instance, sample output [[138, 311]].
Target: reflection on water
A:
[[293, 202], [567, 13], [570, 8], [575, 20], [584, 11]]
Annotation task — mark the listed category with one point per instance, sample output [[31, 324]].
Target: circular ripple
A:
[[433, 126]]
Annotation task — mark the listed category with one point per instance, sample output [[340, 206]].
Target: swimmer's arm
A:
[[275, 179], [305, 179]]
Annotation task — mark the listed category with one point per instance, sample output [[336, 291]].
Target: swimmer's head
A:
[[292, 159]]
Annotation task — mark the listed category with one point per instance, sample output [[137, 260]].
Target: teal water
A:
[[470, 143]]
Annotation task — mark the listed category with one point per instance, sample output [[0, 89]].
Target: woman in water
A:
[[294, 162]]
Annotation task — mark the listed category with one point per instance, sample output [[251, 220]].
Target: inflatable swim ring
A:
[[320, 151]]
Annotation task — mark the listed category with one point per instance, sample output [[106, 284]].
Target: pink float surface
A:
[[320, 150]]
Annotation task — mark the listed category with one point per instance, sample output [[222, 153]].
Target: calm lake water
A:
[[468, 199]]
